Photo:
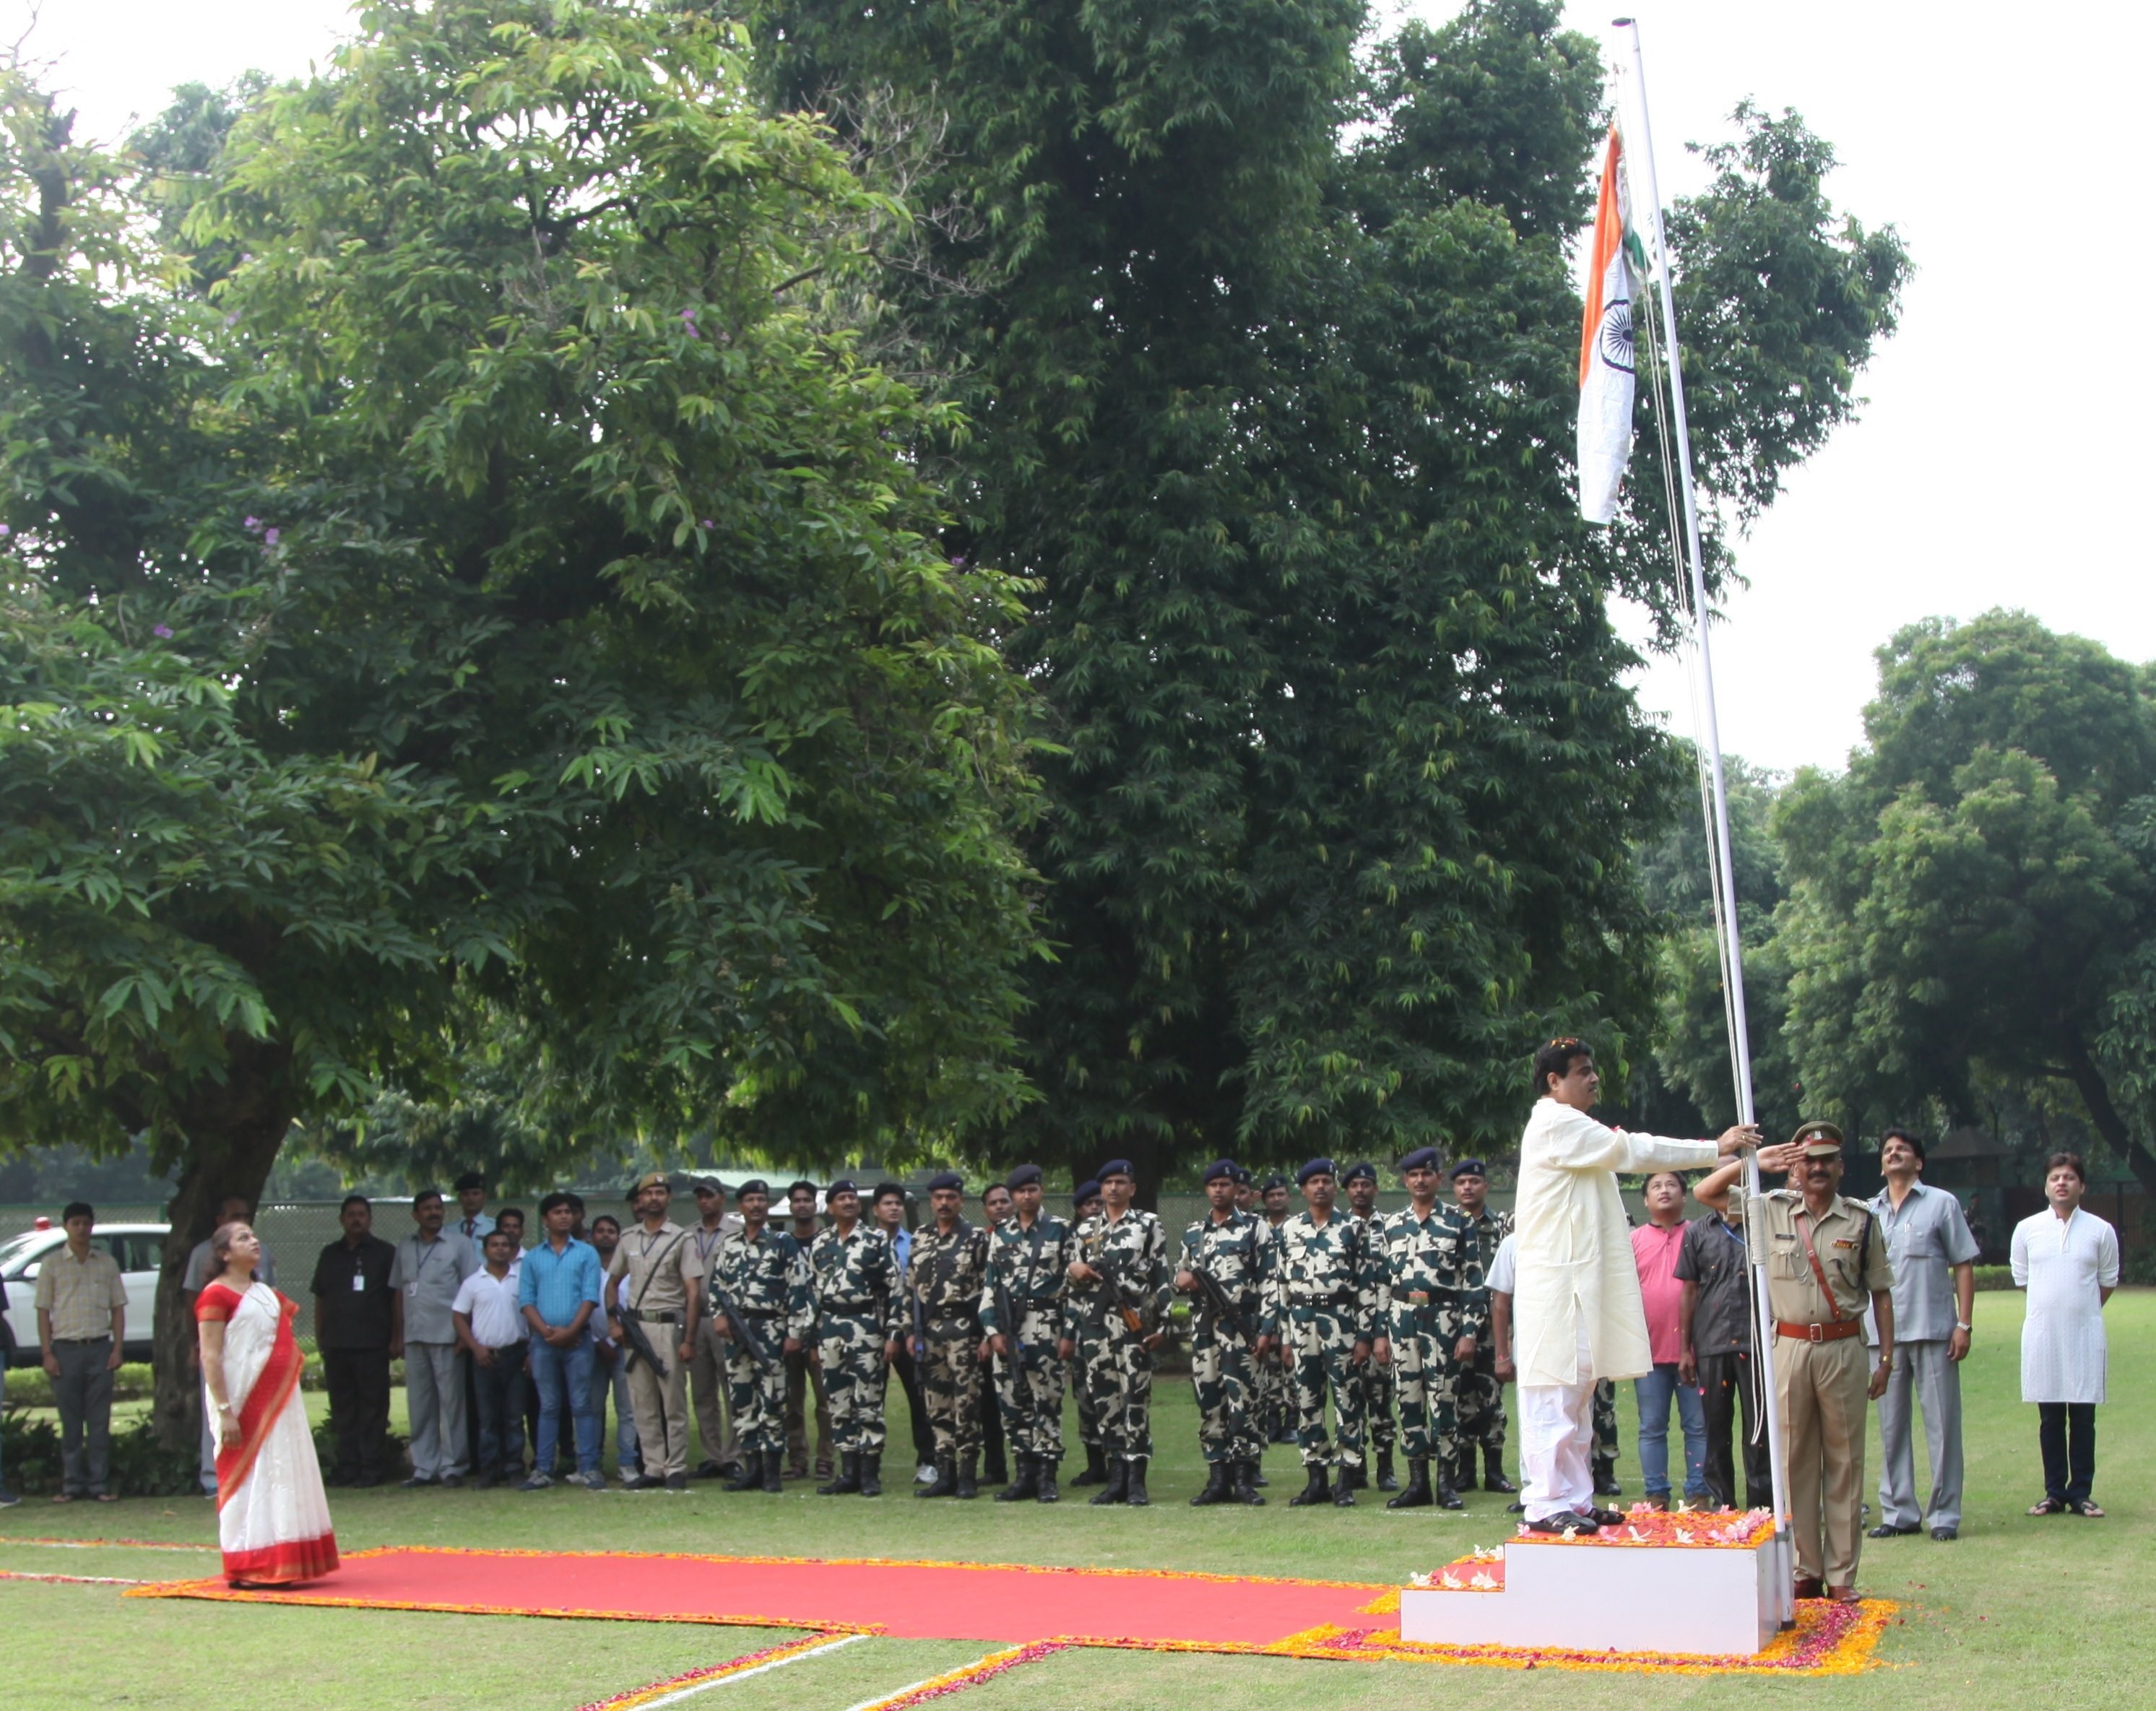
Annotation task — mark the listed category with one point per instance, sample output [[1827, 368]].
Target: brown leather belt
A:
[[1821, 1333]]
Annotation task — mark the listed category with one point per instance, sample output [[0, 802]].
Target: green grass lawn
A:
[[2060, 1605]]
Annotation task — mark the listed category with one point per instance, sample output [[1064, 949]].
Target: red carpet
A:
[[904, 1600]]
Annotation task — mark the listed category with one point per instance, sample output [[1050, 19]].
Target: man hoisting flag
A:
[[1615, 266]]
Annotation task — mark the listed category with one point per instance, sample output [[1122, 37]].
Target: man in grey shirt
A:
[[203, 1265], [424, 1277], [1934, 1260]]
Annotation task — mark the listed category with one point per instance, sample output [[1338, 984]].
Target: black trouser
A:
[[1726, 1382], [924, 1435], [2066, 1430], [83, 1394], [991, 1421], [358, 1381], [498, 1426]]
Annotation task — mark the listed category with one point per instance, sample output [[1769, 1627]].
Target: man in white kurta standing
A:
[[2067, 1259], [1576, 1306]]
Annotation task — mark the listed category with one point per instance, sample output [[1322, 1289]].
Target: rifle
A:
[[1224, 1310], [722, 1300], [1113, 1276], [639, 1345]]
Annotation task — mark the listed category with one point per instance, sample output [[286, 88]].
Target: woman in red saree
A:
[[273, 1521]]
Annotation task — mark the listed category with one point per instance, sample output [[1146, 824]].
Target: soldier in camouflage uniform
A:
[[1227, 1247], [1116, 1315], [1030, 1257], [847, 1302], [1437, 1309], [751, 1290], [1322, 1309], [1275, 1389], [1478, 1398], [943, 1280], [1085, 1202], [1361, 1184]]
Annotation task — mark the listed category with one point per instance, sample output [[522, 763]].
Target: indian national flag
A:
[[1605, 345]]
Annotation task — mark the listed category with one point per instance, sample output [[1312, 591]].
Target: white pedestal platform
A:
[[1718, 1600]]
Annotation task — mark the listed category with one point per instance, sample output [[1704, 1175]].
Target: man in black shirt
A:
[[1715, 1330], [351, 1331]]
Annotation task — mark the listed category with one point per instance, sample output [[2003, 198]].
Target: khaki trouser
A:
[[662, 1404], [707, 1383], [1820, 1389]]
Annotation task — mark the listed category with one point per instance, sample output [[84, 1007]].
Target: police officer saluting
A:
[[944, 1274], [659, 1286], [755, 1276], [1021, 1315], [1222, 1268]]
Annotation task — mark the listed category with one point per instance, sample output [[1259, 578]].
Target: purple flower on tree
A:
[[269, 538], [165, 630], [250, 523], [689, 323]]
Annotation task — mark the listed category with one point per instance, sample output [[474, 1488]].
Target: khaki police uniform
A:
[[660, 1281], [1822, 1369]]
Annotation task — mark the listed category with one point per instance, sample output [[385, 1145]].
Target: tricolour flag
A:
[[1605, 345]]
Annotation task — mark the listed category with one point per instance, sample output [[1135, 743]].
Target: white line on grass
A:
[[727, 1681]]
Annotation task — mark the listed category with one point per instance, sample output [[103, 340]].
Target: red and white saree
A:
[[273, 1521]]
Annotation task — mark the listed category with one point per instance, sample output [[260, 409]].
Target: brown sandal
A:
[[2088, 1509], [2050, 1506]]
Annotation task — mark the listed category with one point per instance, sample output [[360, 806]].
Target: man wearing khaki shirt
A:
[[82, 1328], [429, 1268], [657, 1284]]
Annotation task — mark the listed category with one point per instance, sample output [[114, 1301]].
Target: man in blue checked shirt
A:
[[559, 1292]]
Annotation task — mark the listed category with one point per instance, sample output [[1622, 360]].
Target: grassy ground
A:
[[2062, 1600]]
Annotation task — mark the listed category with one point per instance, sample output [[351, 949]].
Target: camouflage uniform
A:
[[760, 1279], [847, 1303], [1114, 1365], [1379, 1383], [1031, 1266], [1478, 1399], [1323, 1301], [1431, 1284], [943, 1279], [1233, 1254], [1275, 1389]]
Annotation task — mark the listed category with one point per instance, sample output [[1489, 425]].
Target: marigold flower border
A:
[[706, 1674]]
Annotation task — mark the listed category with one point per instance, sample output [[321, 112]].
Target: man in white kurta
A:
[[1576, 1309]]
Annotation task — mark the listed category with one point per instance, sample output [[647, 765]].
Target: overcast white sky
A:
[[2006, 425]]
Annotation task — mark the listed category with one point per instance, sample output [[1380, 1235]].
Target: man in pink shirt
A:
[[1655, 1246]]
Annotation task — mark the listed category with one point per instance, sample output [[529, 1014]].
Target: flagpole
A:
[[1640, 160]]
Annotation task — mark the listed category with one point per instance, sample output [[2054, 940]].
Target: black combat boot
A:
[[995, 1469], [968, 1486], [1216, 1487], [1417, 1496], [1243, 1481], [1385, 1480], [1118, 1485], [748, 1476], [1343, 1495], [1044, 1489], [774, 1468], [1494, 1479], [1134, 1491], [871, 1479], [946, 1479], [1448, 1496], [1354, 1477], [1096, 1468], [1025, 1485], [1316, 1490], [849, 1480]]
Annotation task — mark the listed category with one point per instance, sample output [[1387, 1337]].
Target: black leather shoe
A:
[[1344, 1496], [1606, 1485], [1946, 1535], [1316, 1488], [871, 1464], [1496, 1481], [1243, 1484], [773, 1470], [968, 1485], [1216, 1487], [1888, 1529], [849, 1481], [946, 1480], [751, 1473], [1565, 1524], [1417, 1494], [1134, 1491], [1112, 1492], [1026, 1485], [1096, 1467], [1448, 1495], [1044, 1474], [1385, 1480]]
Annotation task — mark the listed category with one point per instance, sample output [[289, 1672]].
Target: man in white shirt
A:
[[2067, 1260], [492, 1331], [1577, 1308]]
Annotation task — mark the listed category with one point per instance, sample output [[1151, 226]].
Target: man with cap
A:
[[997, 1207], [847, 1303], [1116, 1315], [707, 1370], [1248, 1200], [804, 1372], [1478, 1395], [752, 1289], [1434, 1317], [1276, 1394], [1229, 1246], [1086, 1202], [1825, 1257], [1321, 1313], [1375, 1377], [1577, 1304], [657, 1283], [1030, 1255], [943, 1278]]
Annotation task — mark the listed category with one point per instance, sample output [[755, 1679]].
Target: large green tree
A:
[[1976, 894], [1269, 351], [506, 607]]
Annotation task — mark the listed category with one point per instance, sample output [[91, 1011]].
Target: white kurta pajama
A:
[[1577, 1315]]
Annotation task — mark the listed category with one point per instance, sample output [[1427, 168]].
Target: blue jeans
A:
[[551, 1369], [1654, 1392]]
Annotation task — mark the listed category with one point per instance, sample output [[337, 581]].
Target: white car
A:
[[140, 1249]]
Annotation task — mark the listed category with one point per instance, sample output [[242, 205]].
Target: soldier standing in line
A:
[[658, 1285], [1118, 1315], [847, 1303], [1361, 1184], [804, 1373], [707, 1373], [1435, 1311], [1275, 1389], [1248, 1200], [1030, 1257], [1226, 1247], [1478, 1396], [755, 1276], [943, 1278], [1086, 1202], [996, 1206], [1324, 1301]]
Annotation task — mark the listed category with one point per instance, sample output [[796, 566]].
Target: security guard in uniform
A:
[[947, 1265], [1225, 1247], [660, 1284], [1360, 1184], [1824, 1254]]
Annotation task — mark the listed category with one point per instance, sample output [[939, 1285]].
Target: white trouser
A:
[[1557, 1424]]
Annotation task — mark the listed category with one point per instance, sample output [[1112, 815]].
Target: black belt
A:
[[655, 1318], [760, 1312]]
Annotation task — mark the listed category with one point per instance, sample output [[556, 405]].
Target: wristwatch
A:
[[1960, 1325]]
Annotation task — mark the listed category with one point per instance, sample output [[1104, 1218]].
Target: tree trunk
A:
[[234, 1131], [2096, 1095]]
